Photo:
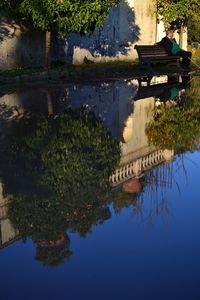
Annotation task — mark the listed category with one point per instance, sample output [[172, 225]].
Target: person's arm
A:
[[161, 43]]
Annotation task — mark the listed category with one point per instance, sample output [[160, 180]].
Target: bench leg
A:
[[146, 79], [149, 65], [149, 80]]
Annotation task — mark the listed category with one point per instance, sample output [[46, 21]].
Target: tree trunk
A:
[[181, 36], [49, 103], [48, 37]]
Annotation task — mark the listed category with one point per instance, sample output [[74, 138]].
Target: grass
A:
[[195, 54], [116, 65]]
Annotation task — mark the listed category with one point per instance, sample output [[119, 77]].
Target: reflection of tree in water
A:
[[158, 183], [176, 128], [149, 200], [52, 253], [57, 170], [179, 126], [155, 201]]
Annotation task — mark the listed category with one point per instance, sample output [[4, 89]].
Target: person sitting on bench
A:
[[172, 48]]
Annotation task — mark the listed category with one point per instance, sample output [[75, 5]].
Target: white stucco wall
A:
[[146, 20], [131, 22]]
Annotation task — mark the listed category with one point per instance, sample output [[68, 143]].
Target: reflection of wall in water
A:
[[111, 101], [33, 99], [7, 233], [135, 140], [137, 155]]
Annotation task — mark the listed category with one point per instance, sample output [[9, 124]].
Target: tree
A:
[[194, 30], [178, 13], [60, 16], [53, 255]]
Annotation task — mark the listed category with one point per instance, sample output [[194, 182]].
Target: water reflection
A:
[[57, 170], [62, 168], [177, 121]]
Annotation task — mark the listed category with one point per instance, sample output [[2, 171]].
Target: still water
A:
[[99, 190]]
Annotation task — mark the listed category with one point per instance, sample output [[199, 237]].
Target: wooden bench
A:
[[150, 54]]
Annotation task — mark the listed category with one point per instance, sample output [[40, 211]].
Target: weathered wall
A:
[[131, 22], [111, 101], [19, 48], [146, 20]]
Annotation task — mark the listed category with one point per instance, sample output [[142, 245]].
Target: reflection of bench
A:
[[162, 90], [155, 90], [154, 54]]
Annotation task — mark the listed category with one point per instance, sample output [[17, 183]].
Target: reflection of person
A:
[[172, 48], [174, 93], [170, 97], [169, 104], [169, 94]]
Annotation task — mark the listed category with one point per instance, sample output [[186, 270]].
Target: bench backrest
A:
[[150, 51]]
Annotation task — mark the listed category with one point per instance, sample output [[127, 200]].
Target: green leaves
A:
[[177, 11], [62, 16]]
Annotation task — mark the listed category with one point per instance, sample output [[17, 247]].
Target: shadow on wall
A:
[[24, 48], [113, 40], [20, 47], [7, 28], [30, 49]]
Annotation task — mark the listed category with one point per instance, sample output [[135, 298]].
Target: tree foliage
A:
[[67, 152], [194, 29], [180, 13], [62, 16]]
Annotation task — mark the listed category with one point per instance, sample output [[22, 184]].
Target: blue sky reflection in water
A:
[[147, 250]]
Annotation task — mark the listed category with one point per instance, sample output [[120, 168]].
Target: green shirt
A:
[[175, 47], [174, 93]]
